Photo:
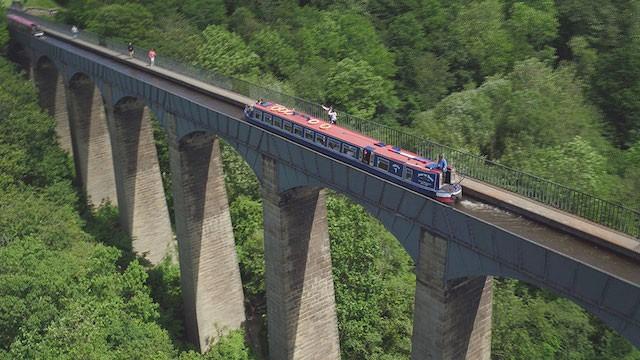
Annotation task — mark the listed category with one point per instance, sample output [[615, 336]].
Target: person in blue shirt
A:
[[441, 164]]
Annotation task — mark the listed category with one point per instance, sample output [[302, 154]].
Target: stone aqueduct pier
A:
[[102, 105]]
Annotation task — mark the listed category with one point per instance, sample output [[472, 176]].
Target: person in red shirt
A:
[[152, 56]]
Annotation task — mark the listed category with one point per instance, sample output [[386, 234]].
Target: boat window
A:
[[267, 118], [277, 122], [333, 144], [257, 114], [297, 130], [382, 163], [366, 156], [287, 126], [308, 134], [321, 139], [408, 174], [350, 150]]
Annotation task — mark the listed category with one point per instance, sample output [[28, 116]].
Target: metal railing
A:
[[612, 215]]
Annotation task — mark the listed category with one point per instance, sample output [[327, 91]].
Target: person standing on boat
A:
[[333, 115], [442, 165]]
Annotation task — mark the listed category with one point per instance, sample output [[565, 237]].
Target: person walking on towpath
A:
[[130, 49], [333, 115], [152, 56]]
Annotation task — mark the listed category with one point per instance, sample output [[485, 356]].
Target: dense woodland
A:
[[549, 87]]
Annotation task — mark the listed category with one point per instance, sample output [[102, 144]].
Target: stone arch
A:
[[52, 98], [142, 203], [92, 151], [590, 289]]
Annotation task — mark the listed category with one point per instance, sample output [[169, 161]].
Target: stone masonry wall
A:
[[301, 312], [142, 203], [210, 275], [452, 320], [92, 151], [52, 97]]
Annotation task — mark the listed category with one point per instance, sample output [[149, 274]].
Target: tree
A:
[[617, 87], [124, 21], [374, 285], [631, 176], [533, 27], [226, 53], [175, 38], [575, 164], [485, 44], [428, 79], [277, 55], [354, 87], [202, 13], [529, 326], [462, 120], [338, 35]]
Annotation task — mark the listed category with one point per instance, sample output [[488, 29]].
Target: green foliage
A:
[[533, 27], [631, 177], [529, 326], [574, 163], [229, 347], [462, 120], [277, 55], [532, 107], [225, 52], [240, 180], [164, 283], [428, 79], [175, 38], [354, 86], [618, 88], [4, 34], [485, 44], [374, 285], [124, 21], [584, 56], [246, 215], [336, 35], [202, 13], [28, 214]]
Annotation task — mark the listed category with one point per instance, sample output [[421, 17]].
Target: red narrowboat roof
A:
[[355, 138], [20, 20]]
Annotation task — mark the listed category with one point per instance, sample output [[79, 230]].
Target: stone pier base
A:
[[92, 151], [452, 320], [209, 271], [142, 204], [301, 308]]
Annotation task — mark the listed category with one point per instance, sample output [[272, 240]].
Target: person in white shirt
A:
[[333, 115]]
